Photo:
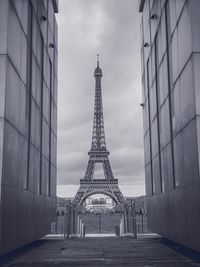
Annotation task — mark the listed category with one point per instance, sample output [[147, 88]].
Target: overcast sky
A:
[[110, 28]]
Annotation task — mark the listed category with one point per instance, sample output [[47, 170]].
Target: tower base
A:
[[98, 186]]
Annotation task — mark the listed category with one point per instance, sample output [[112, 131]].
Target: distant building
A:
[[140, 203], [170, 53], [28, 111], [103, 203], [61, 204], [140, 212]]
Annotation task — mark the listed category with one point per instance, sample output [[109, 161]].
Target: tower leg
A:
[[90, 169]]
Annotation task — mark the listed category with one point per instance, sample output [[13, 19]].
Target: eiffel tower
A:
[[98, 154]]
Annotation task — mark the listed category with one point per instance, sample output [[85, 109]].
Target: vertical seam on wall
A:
[[50, 109], [158, 113], [169, 92], [150, 145], [41, 115], [30, 22]]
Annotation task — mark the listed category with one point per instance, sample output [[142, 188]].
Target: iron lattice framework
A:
[[98, 154]]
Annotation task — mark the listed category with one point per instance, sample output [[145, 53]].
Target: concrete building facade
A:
[[28, 111], [170, 56]]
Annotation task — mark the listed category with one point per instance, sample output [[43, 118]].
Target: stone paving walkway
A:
[[96, 252]]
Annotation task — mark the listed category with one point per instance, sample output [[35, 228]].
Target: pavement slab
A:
[[96, 252]]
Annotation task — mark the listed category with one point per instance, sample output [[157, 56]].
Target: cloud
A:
[[110, 28]]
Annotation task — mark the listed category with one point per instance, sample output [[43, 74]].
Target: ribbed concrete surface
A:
[[92, 252]]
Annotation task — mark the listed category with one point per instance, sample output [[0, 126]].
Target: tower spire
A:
[[98, 136], [97, 60]]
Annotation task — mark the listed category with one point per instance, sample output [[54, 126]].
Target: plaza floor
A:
[[105, 251]]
